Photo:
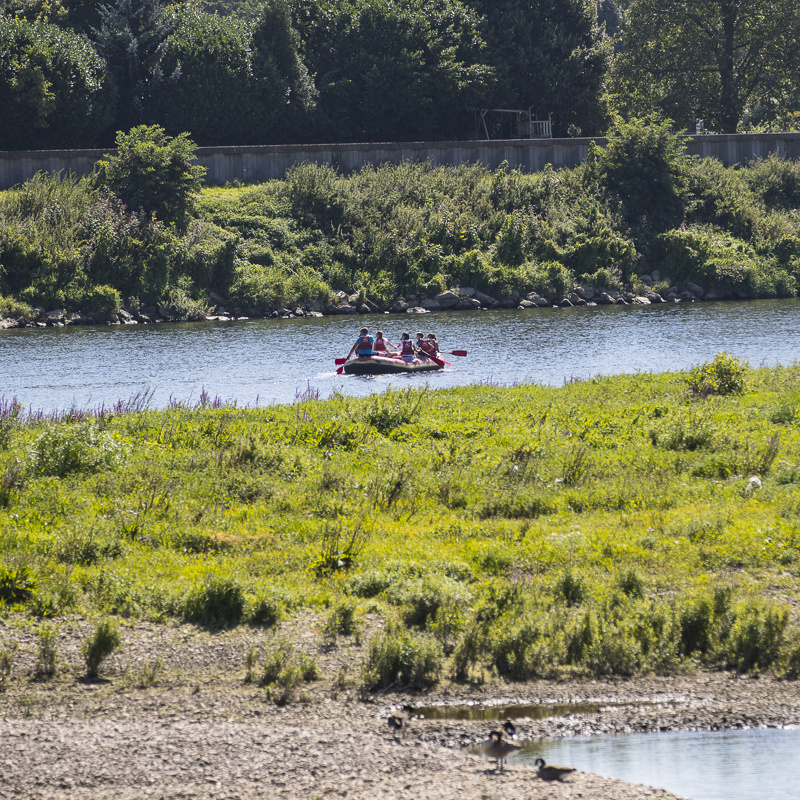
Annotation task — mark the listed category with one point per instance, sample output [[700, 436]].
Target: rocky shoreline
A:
[[200, 730], [652, 289]]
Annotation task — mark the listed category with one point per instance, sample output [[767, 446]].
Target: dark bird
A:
[[398, 720], [498, 748], [508, 727], [551, 772]]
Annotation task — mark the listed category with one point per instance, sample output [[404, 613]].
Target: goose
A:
[[551, 772], [508, 727], [398, 720], [495, 747]]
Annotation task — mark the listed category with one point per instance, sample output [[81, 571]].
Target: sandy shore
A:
[[202, 732]]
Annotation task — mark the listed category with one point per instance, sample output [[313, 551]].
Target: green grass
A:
[[605, 527]]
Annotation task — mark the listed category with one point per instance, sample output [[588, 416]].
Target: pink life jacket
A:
[[379, 345], [407, 347]]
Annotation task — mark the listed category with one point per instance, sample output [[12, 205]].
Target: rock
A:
[[713, 294], [431, 304], [399, 306], [346, 308], [515, 295], [654, 297], [641, 301], [604, 299], [696, 290], [362, 309], [124, 316], [56, 315], [417, 310], [585, 292], [447, 299], [7, 323], [341, 296], [687, 297], [574, 298], [620, 301], [526, 304], [484, 299], [466, 291], [214, 297], [468, 304], [646, 279], [565, 303], [655, 275]]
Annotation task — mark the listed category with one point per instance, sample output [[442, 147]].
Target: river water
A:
[[761, 764], [269, 361]]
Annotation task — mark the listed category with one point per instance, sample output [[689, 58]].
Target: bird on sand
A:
[[498, 748], [398, 720], [551, 772]]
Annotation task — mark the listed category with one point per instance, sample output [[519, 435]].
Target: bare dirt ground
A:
[[201, 731]]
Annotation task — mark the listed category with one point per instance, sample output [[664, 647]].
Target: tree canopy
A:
[[720, 60]]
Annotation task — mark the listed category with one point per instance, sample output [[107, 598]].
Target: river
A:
[[272, 361]]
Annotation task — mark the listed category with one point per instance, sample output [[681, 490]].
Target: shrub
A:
[[265, 609], [398, 657], [643, 166], [62, 449], [756, 637], [523, 649], [571, 588], [342, 620], [284, 669], [154, 172], [724, 375], [99, 645], [16, 584], [216, 601], [46, 652], [6, 665]]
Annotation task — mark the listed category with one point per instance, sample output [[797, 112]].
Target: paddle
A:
[[455, 352], [340, 361]]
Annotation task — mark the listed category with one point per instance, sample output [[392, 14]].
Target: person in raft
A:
[[429, 346], [407, 349], [381, 346], [363, 345]]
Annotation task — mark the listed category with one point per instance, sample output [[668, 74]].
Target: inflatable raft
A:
[[380, 365]]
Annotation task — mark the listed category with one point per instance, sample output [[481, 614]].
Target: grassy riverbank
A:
[[638, 217], [607, 527]]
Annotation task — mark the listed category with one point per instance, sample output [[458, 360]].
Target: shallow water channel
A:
[[269, 361], [760, 764]]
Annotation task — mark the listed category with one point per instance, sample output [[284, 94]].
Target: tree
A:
[[133, 39], [719, 60], [394, 69], [284, 90], [549, 54], [213, 98], [54, 88], [153, 172]]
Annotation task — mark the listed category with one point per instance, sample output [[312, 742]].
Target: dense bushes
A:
[[138, 234]]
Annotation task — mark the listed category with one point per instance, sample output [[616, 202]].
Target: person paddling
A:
[[429, 346], [381, 346], [363, 344], [407, 350]]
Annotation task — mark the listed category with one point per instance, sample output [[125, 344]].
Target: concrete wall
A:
[[261, 163]]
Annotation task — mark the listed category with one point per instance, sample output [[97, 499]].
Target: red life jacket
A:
[[407, 347], [379, 344], [365, 345], [428, 346]]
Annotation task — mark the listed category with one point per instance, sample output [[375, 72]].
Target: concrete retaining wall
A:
[[261, 163]]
